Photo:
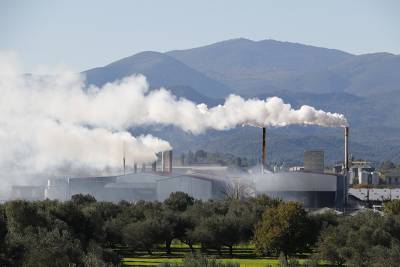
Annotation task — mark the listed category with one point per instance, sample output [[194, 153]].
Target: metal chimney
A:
[[163, 161], [170, 161], [346, 149], [143, 167], [123, 163], [123, 159], [263, 151]]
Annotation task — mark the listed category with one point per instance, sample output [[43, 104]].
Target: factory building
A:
[[64, 188], [314, 190], [57, 189], [195, 187], [198, 186], [314, 161], [29, 193], [310, 186], [94, 186], [148, 186], [362, 172], [307, 184], [359, 197], [391, 177], [132, 187]]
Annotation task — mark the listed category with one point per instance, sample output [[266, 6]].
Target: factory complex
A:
[[314, 190], [309, 184]]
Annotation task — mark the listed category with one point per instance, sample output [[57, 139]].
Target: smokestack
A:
[[163, 161], [123, 163], [170, 161], [123, 159], [346, 149], [263, 149]]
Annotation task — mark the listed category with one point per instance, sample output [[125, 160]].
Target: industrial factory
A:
[[309, 184]]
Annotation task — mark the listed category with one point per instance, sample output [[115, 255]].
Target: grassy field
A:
[[241, 254]]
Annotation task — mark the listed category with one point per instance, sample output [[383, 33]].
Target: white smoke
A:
[[37, 136], [55, 120], [129, 102]]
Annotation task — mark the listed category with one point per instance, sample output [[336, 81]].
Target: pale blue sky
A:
[[85, 34]]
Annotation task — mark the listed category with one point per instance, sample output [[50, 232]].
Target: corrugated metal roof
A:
[[375, 194]]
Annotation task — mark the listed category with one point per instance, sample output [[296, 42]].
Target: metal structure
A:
[[346, 149], [264, 152]]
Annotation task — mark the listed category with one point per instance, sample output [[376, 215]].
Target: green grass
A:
[[242, 254]]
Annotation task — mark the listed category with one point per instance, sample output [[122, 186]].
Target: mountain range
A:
[[366, 88]]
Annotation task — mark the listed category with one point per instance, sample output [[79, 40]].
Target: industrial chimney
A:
[[346, 149], [163, 161], [263, 158], [170, 161], [123, 159], [166, 161], [143, 167], [123, 164]]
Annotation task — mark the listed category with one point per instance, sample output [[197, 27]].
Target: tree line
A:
[[84, 232]]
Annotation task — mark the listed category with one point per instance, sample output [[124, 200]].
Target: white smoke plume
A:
[[129, 102], [37, 136], [52, 120]]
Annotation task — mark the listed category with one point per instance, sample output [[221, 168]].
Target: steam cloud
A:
[[129, 102], [50, 120], [38, 136]]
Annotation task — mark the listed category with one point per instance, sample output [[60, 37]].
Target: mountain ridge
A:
[[363, 87], [160, 70]]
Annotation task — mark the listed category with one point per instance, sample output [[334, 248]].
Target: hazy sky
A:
[[86, 34]]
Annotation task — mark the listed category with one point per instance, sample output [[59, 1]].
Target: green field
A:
[[241, 254]]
